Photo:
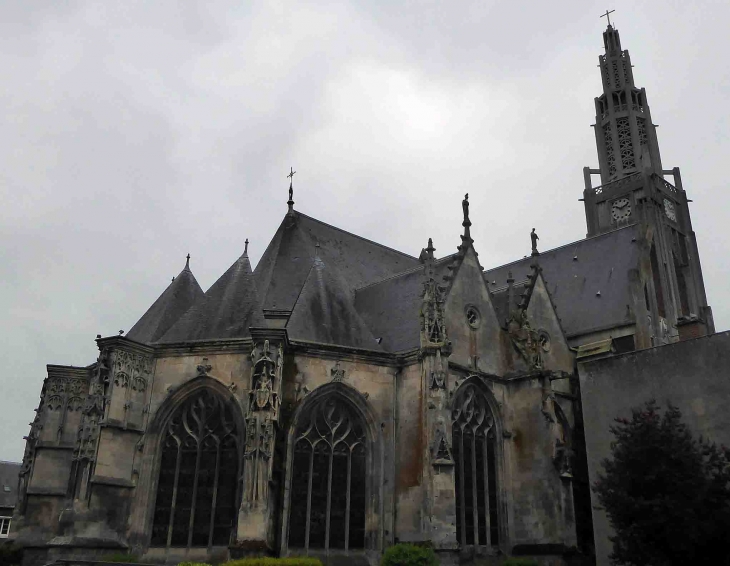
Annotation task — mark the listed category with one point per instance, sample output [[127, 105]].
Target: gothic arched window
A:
[[196, 491], [476, 470], [328, 478]]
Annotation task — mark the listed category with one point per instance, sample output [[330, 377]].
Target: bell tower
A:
[[624, 130], [634, 190]]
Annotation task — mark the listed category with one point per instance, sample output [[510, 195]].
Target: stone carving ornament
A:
[[261, 422], [560, 434], [526, 341]]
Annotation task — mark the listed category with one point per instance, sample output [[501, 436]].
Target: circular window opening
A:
[[472, 316]]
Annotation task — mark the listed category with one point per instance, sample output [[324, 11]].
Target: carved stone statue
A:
[[465, 207], [534, 237], [525, 340]]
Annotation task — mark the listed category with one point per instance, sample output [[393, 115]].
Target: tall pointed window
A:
[[328, 478], [477, 518], [196, 492]]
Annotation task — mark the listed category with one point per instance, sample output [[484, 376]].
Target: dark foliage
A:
[[666, 494], [10, 554], [409, 555]]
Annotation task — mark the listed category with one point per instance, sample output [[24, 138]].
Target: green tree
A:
[[666, 494]]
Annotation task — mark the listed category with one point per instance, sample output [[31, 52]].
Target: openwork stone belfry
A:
[[198, 483], [343, 395]]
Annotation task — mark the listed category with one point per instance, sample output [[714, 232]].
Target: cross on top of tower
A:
[[290, 176], [607, 15]]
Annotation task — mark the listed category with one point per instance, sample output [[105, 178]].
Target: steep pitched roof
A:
[[325, 311], [391, 307], [168, 308], [9, 479], [575, 273], [286, 262], [226, 310]]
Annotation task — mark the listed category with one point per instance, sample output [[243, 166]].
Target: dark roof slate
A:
[[9, 484], [168, 308], [226, 310], [391, 307], [325, 311], [602, 263], [286, 262]]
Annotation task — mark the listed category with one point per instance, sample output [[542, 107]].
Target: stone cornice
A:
[[319, 349], [68, 371]]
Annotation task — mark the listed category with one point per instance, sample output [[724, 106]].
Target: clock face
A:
[[670, 210], [621, 209]]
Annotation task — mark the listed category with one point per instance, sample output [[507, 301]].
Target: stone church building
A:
[[343, 396]]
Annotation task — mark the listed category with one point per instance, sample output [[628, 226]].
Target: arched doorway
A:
[[474, 451], [196, 501], [328, 482]]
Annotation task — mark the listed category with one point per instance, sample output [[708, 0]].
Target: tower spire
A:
[[625, 135]]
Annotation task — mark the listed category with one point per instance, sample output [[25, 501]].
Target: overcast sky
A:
[[132, 133]]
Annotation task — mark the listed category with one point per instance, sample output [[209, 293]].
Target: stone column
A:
[[440, 502], [257, 513]]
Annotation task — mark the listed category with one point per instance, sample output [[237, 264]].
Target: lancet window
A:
[[197, 487], [328, 478], [477, 517]]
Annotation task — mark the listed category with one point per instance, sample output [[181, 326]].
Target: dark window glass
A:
[[327, 508], [476, 481], [196, 491]]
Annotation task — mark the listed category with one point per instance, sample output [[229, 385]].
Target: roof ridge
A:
[[573, 243], [356, 236], [402, 273], [390, 278]]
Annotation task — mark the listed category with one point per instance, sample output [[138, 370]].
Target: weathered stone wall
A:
[[692, 375], [468, 288]]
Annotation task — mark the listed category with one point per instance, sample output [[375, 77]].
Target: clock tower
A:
[[633, 191]]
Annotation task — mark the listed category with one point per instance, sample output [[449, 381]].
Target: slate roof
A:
[[9, 479], [325, 311], [574, 274], [346, 290], [289, 257], [321, 297], [168, 308], [226, 310], [391, 307]]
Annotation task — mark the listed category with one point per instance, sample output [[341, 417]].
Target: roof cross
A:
[[607, 15], [290, 176]]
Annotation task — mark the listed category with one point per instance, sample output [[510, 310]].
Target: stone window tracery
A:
[[626, 146], [197, 487], [610, 156], [641, 125], [616, 75], [328, 478], [477, 518]]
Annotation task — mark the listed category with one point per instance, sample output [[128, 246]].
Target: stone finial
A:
[[187, 262], [510, 294], [290, 176], [466, 240], [430, 249], [245, 248]]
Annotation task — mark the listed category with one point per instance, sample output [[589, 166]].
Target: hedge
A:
[[267, 561], [409, 555]]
